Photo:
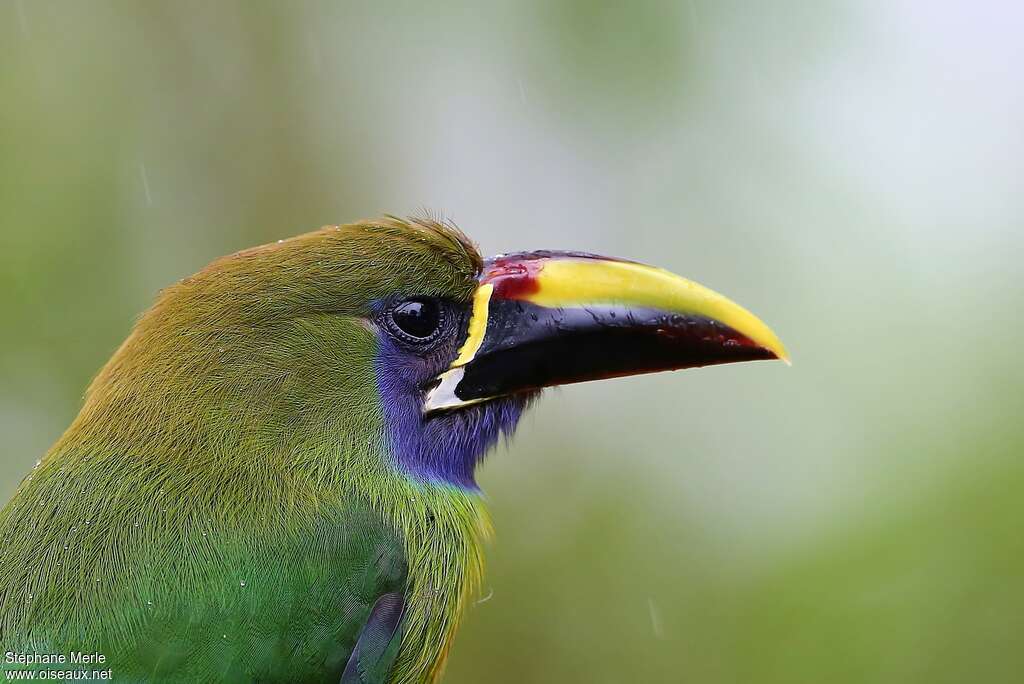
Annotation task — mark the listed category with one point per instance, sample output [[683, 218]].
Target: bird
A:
[[273, 478]]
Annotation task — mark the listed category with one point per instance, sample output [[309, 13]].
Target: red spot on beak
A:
[[513, 278]]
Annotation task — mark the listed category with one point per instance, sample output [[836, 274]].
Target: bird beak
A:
[[552, 318]]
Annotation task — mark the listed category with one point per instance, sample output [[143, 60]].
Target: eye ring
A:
[[416, 321]]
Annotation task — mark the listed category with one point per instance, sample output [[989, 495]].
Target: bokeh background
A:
[[850, 171]]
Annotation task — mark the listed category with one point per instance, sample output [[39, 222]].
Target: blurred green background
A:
[[850, 171]]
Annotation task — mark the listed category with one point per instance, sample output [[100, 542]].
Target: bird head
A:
[[394, 337]]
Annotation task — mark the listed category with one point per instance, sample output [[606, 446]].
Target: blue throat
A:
[[445, 447]]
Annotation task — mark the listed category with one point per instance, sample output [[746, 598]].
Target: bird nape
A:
[[272, 479]]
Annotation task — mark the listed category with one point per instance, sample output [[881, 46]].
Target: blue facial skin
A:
[[444, 447]]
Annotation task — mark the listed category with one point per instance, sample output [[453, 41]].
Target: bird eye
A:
[[416, 320]]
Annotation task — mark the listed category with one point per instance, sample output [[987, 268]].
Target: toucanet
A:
[[272, 479]]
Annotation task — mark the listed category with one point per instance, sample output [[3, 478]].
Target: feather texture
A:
[[229, 504]]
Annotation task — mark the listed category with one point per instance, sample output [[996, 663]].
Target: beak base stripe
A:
[[477, 326]]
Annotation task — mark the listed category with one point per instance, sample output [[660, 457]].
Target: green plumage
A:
[[223, 508]]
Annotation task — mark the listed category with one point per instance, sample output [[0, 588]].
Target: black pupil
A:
[[417, 317]]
